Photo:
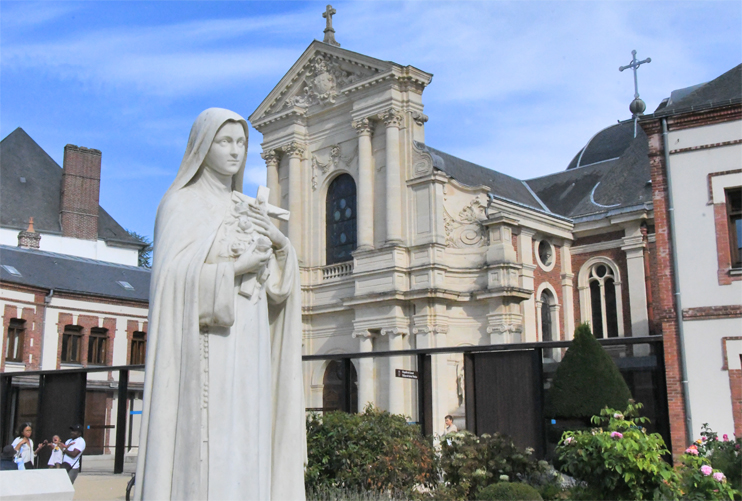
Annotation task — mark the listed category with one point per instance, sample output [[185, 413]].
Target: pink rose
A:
[[719, 476], [567, 440], [706, 470], [618, 415], [725, 437], [692, 450], [616, 434]]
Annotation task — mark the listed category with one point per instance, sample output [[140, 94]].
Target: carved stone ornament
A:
[[422, 162], [323, 81], [294, 149], [392, 117], [467, 230], [503, 328], [336, 157], [419, 118], [270, 157], [431, 329], [396, 331], [363, 126], [363, 333]]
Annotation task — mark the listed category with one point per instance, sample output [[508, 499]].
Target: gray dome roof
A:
[[608, 144]]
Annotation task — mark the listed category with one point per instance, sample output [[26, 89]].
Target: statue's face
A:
[[228, 149]]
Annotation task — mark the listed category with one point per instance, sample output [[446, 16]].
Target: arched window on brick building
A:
[[97, 346], [138, 348], [71, 344], [600, 297], [341, 219]]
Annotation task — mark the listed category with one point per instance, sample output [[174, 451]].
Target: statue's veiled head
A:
[[218, 140]]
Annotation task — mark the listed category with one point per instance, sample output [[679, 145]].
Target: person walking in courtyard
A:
[[57, 456], [450, 427], [73, 449], [23, 445]]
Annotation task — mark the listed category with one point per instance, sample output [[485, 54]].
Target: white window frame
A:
[[583, 285]]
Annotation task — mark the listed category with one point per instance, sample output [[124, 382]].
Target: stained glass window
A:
[[341, 219]]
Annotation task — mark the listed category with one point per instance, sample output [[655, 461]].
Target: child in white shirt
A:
[[55, 460]]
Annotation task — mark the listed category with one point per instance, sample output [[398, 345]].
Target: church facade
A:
[[405, 246]]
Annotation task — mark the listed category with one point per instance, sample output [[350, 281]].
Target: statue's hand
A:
[[265, 227], [251, 260]]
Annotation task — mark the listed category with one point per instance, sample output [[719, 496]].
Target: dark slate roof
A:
[[726, 89], [600, 186], [49, 270], [608, 144], [39, 195], [500, 185]]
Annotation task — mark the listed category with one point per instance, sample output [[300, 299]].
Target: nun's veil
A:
[[199, 142]]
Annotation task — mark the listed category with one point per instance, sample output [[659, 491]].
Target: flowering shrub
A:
[[699, 481], [618, 460], [723, 454], [470, 463]]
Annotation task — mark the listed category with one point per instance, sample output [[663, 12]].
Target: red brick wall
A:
[[735, 384], [80, 192], [603, 237], [654, 287], [554, 278], [32, 337], [617, 256], [665, 308], [87, 322]]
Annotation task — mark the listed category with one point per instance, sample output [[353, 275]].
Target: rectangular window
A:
[[138, 348], [14, 340], [97, 344], [71, 344], [734, 211]]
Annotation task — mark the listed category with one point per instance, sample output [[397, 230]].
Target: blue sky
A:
[[518, 86]]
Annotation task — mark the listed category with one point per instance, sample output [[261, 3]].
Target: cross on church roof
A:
[[329, 30], [634, 65]]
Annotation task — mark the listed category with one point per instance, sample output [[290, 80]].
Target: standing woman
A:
[[24, 445]]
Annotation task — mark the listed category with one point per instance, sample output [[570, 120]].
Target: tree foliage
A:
[[145, 253], [586, 381]]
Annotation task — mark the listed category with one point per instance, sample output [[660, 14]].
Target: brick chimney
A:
[[80, 192], [29, 239]]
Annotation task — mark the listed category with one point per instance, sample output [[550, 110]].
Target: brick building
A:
[[71, 294]]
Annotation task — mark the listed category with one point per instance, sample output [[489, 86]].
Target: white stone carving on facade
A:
[[419, 118], [294, 149], [363, 126], [395, 331], [392, 117], [467, 230], [365, 333], [504, 327], [323, 81], [431, 329], [324, 167], [270, 157], [422, 161]]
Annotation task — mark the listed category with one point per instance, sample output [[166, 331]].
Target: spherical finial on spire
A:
[[637, 107]]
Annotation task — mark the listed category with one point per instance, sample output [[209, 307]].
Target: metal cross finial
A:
[[329, 30], [634, 65]]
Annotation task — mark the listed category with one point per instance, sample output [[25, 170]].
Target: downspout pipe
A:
[[678, 298]]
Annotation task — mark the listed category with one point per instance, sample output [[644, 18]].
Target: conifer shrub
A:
[[506, 491], [586, 381], [373, 451]]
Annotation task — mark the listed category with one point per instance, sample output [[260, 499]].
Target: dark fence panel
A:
[[61, 405]]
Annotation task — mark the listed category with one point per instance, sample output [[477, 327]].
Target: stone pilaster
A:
[[525, 253], [365, 369], [393, 121], [271, 164], [295, 152], [396, 385], [568, 291], [634, 247], [365, 211]]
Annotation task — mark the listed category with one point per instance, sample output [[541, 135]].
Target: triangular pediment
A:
[[320, 77]]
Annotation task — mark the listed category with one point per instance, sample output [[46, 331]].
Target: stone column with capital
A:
[[568, 291], [295, 152], [365, 210], [365, 369], [525, 252], [396, 385], [271, 164], [393, 121], [634, 247]]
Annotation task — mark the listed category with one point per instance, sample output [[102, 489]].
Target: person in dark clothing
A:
[[6, 460]]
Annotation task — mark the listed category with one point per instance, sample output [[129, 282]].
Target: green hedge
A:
[[506, 491]]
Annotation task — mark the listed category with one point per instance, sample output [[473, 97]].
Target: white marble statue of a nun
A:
[[223, 415]]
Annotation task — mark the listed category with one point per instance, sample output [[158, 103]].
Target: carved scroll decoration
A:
[[323, 168], [323, 81], [467, 230]]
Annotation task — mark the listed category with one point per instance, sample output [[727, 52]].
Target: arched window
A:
[[335, 391], [341, 219], [546, 328], [603, 301]]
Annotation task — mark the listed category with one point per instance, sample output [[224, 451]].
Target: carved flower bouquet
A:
[[237, 235]]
